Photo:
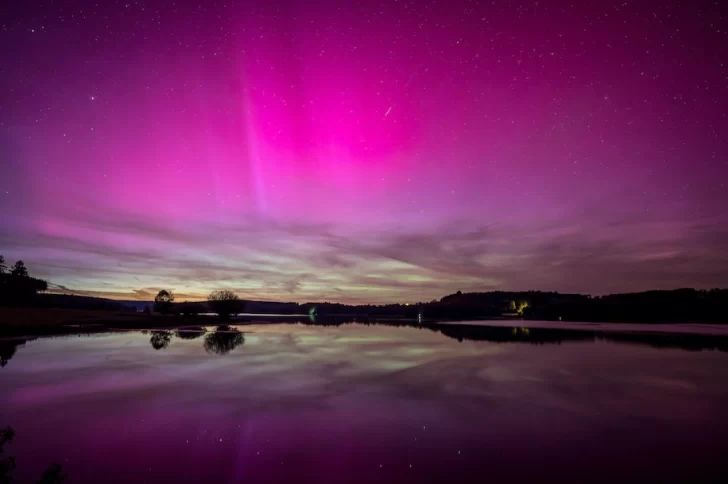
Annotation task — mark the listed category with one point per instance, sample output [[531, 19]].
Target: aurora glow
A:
[[362, 152]]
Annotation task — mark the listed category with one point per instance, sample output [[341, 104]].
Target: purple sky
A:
[[364, 151]]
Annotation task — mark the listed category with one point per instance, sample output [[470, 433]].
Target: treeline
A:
[[474, 305], [17, 288], [458, 305], [651, 306], [686, 305], [680, 305], [224, 303]]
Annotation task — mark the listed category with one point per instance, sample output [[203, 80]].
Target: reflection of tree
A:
[[52, 475], [7, 349], [7, 464], [160, 339], [540, 336], [223, 340], [190, 332]]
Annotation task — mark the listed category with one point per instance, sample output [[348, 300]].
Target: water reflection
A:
[[226, 338], [376, 403], [8, 347], [52, 475], [223, 340], [190, 332], [541, 336], [160, 339], [7, 463]]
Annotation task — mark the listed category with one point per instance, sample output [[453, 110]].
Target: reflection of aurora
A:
[[226, 339], [301, 392]]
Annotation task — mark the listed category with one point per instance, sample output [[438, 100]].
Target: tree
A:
[[225, 303], [19, 269], [3, 267], [163, 301]]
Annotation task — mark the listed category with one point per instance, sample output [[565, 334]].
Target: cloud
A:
[[270, 260]]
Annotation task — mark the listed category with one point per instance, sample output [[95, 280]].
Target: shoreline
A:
[[20, 322]]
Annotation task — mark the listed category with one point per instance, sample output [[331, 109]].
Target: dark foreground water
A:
[[356, 403]]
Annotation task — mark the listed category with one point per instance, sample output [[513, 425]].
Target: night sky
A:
[[364, 151]]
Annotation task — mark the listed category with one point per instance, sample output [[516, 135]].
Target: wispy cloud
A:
[[264, 259]]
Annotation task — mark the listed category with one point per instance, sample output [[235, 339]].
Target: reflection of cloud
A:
[[265, 259]]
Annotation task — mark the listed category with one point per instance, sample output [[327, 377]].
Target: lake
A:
[[369, 403]]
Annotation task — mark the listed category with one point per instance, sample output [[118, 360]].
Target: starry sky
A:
[[360, 152]]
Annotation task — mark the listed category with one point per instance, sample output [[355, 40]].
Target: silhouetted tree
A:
[[17, 288], [160, 339], [163, 301], [223, 340], [224, 303], [3, 267], [19, 269]]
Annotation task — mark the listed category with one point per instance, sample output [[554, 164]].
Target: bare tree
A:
[[163, 301], [225, 303]]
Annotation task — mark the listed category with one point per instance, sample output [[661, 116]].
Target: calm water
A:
[[357, 403]]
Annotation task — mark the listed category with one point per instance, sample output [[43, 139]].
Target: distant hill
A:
[[67, 301]]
